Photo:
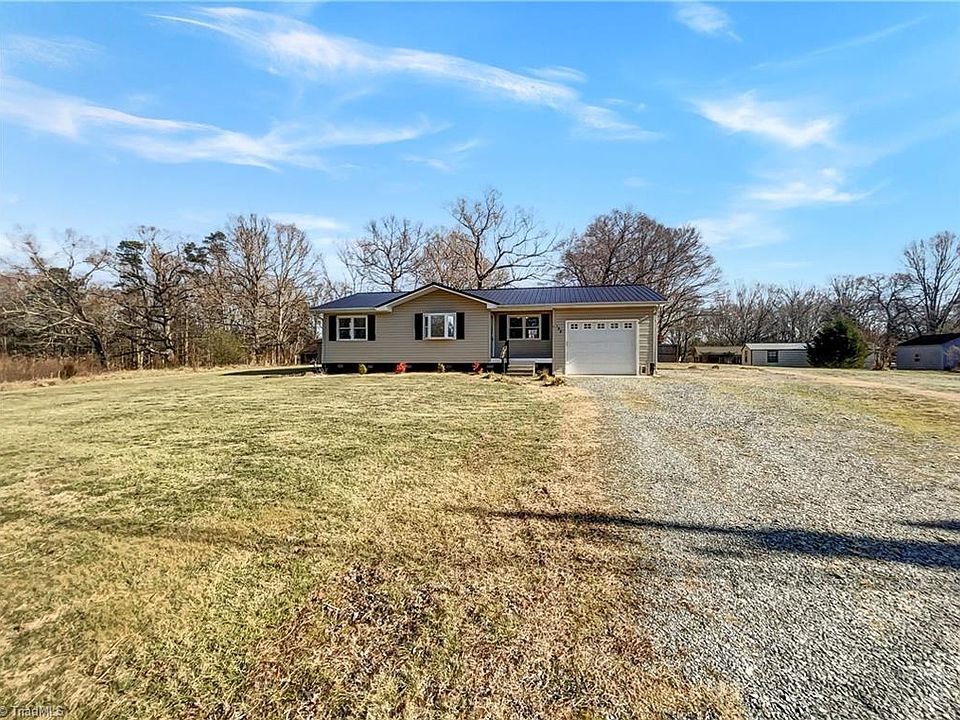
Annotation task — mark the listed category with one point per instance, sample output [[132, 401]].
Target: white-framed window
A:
[[628, 325], [574, 326], [601, 326], [440, 326], [588, 326], [352, 327], [773, 357], [523, 327], [614, 326]]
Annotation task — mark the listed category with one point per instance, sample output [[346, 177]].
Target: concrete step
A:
[[520, 369]]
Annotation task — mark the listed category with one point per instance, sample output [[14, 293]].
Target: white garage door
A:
[[601, 347]]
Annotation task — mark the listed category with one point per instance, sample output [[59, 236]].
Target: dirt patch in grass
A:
[[220, 546]]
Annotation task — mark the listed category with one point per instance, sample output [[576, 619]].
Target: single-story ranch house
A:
[[601, 330], [778, 354], [929, 352]]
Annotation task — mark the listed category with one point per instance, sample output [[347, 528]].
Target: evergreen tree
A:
[[838, 344]]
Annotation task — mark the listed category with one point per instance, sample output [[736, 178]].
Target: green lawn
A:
[[213, 545]]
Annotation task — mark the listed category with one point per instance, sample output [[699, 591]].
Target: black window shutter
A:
[[418, 326], [332, 335], [545, 326], [502, 332], [460, 326], [371, 327]]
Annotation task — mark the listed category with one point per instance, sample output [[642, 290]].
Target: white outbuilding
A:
[[929, 352], [776, 354]]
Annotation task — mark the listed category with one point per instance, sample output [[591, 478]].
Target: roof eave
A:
[[624, 303]]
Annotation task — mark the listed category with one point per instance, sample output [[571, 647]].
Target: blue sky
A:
[[803, 139]]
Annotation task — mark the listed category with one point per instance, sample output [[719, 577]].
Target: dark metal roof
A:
[[587, 294], [532, 296], [931, 339], [359, 300]]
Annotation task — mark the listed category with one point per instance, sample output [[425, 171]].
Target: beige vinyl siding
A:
[[396, 341], [644, 315]]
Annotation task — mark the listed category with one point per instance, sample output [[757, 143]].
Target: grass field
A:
[[240, 545]]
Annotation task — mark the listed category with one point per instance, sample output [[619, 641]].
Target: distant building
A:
[[717, 354], [929, 352], [310, 354], [668, 352], [776, 354]]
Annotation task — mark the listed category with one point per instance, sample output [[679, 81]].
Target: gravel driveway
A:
[[807, 554]]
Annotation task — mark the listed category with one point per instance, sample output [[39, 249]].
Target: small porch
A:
[[521, 339]]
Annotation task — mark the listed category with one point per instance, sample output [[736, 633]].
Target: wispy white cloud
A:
[[60, 53], [620, 102], [636, 182], [849, 44], [558, 73], [290, 47], [309, 222], [595, 119], [431, 162], [446, 159], [178, 141], [739, 230], [824, 188], [775, 121], [705, 19]]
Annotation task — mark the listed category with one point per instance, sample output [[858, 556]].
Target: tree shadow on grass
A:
[[953, 525], [793, 541], [271, 372]]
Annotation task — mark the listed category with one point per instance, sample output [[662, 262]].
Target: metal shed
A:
[[776, 354], [929, 352]]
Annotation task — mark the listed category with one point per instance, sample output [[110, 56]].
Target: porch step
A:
[[521, 368]]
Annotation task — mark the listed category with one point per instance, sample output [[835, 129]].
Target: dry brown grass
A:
[[16, 369], [215, 545]]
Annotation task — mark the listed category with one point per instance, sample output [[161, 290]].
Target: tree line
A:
[[243, 292], [921, 297]]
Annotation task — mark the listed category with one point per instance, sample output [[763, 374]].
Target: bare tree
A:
[[153, 293], [291, 276], [247, 258], [388, 255], [932, 267], [60, 302], [847, 296], [624, 247], [448, 258], [502, 246], [884, 323], [326, 288], [799, 312], [743, 314]]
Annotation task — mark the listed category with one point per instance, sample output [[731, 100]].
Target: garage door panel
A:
[[601, 347]]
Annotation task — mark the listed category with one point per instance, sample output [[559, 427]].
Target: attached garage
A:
[[601, 347]]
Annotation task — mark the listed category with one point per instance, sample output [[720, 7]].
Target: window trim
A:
[[523, 327], [775, 354], [353, 328], [444, 315]]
